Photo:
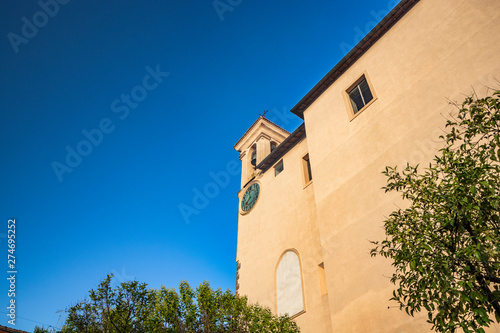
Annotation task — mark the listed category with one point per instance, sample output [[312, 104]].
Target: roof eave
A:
[[350, 58], [251, 128], [291, 141]]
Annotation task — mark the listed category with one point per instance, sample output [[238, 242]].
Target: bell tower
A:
[[258, 142]]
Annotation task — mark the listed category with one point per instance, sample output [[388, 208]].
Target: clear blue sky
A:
[[99, 69]]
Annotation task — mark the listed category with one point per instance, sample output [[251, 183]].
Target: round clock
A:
[[250, 197]]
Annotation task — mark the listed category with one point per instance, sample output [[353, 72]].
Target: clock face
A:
[[250, 197]]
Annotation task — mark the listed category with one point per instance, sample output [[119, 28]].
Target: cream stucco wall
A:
[[440, 50], [434, 53], [283, 218]]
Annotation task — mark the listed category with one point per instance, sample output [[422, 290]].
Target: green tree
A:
[[132, 307], [446, 246]]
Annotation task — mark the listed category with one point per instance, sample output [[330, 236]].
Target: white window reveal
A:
[[289, 285]]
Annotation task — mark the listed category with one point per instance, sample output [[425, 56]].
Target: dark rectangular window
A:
[[307, 169], [360, 95], [278, 168]]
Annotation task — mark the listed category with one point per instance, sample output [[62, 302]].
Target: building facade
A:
[[311, 200]]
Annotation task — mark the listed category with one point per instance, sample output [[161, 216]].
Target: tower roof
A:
[[262, 126]]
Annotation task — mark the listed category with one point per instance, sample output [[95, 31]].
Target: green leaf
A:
[[450, 229]]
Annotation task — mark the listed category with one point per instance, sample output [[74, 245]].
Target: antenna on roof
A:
[[264, 113]]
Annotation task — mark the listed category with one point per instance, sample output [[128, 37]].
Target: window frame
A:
[[322, 279], [276, 287], [306, 170], [273, 143], [347, 97]]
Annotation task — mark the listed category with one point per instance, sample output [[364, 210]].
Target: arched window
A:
[[273, 146], [289, 284], [253, 155], [254, 158]]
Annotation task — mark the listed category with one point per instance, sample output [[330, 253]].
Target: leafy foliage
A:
[[131, 307], [446, 246]]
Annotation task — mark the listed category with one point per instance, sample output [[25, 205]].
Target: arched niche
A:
[[290, 298]]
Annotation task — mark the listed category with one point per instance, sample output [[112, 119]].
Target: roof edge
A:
[[291, 141], [10, 329], [253, 125], [350, 58]]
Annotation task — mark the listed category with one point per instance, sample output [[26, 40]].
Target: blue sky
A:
[[115, 114]]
